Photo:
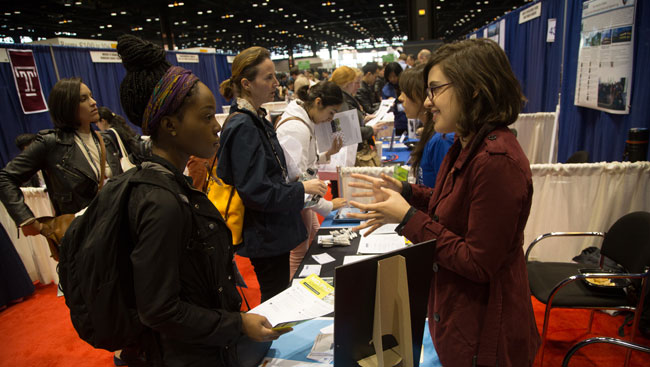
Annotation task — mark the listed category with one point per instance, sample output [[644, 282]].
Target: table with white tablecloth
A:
[[33, 250]]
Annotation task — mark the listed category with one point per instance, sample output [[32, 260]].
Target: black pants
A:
[[272, 274]]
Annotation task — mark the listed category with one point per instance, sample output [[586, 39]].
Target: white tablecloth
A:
[[33, 250]]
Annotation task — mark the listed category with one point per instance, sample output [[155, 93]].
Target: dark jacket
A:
[[70, 180], [479, 305], [182, 270], [367, 97], [272, 221], [349, 103]]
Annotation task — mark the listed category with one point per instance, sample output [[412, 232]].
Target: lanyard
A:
[[90, 157]]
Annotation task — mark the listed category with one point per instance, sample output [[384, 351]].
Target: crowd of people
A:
[[472, 193]]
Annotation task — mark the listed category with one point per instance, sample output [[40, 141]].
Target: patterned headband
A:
[[167, 96]]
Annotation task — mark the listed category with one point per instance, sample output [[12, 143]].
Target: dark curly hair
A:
[[145, 65]]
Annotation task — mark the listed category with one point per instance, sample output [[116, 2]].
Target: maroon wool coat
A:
[[480, 312]]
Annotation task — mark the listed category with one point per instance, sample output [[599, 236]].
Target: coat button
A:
[[211, 225], [435, 267], [229, 277], [492, 137], [436, 317], [220, 289], [196, 206]]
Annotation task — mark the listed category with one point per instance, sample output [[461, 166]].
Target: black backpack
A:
[[95, 272]]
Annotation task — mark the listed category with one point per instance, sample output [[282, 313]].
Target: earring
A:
[[173, 133]]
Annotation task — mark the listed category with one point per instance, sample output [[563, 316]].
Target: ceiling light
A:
[[109, 26], [123, 12], [199, 12], [209, 11], [280, 9], [113, 14], [254, 5], [381, 5]]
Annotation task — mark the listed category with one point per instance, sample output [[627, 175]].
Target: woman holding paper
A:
[[295, 129], [480, 313], [251, 159]]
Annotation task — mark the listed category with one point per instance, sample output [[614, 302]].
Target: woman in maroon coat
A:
[[480, 312]]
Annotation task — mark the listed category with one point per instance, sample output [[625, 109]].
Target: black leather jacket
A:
[[368, 98], [69, 178]]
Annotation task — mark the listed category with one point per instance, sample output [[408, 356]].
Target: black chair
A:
[[580, 156], [564, 285], [599, 339]]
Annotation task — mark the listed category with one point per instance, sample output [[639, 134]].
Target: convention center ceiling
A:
[[236, 24]]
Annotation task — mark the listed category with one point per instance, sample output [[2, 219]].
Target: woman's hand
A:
[[259, 329], [315, 187], [338, 203], [389, 205], [367, 118], [32, 229], [337, 144], [375, 184], [376, 128], [391, 210]]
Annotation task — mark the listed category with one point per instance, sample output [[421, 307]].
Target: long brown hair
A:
[[485, 86], [244, 66], [411, 84]]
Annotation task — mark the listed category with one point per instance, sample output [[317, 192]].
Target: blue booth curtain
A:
[[600, 133], [207, 71], [14, 122], [224, 71], [103, 79]]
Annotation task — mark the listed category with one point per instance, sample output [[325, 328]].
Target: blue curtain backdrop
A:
[[103, 79], [603, 134], [14, 122], [537, 63]]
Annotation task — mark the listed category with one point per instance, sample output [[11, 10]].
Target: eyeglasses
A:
[[432, 92]]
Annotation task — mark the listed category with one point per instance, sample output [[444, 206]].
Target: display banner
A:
[[29, 89], [105, 57], [187, 58], [605, 59]]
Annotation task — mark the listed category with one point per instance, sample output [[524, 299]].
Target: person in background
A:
[[108, 119], [432, 147], [480, 311], [392, 90], [423, 56], [295, 129], [366, 93], [380, 81], [69, 156], [402, 60], [22, 141], [410, 60], [251, 159], [182, 258], [324, 75]]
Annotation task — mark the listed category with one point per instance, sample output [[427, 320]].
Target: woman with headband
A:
[[251, 159], [183, 259]]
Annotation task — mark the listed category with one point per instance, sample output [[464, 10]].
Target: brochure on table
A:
[[301, 302]]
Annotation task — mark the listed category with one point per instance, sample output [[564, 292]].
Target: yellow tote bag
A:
[[227, 200]]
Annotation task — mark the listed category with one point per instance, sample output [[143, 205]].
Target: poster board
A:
[[605, 59]]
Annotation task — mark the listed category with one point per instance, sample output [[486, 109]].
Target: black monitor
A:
[[354, 303]]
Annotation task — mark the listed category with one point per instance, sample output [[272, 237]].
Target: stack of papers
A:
[[382, 240], [301, 302], [323, 348]]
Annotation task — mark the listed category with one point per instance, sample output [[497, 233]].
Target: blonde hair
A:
[[244, 66], [344, 75]]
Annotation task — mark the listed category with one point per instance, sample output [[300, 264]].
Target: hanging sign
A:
[[187, 58], [303, 64], [28, 86], [605, 59], [530, 13], [550, 30], [105, 57]]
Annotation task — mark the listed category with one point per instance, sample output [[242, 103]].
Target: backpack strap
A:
[[279, 123]]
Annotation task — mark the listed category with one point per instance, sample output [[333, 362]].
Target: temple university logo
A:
[[26, 79]]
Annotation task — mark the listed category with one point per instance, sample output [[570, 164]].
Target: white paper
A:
[[354, 258], [379, 244], [293, 304], [323, 258], [308, 270], [381, 112], [328, 329], [385, 229], [323, 348], [344, 124], [346, 157], [323, 238], [278, 362]]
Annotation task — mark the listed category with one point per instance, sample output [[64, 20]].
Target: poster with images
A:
[[605, 59], [496, 32]]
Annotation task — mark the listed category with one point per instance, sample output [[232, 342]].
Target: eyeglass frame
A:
[[431, 90]]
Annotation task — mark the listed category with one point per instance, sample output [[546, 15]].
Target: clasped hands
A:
[[388, 207]]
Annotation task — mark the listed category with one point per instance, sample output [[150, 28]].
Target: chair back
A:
[[628, 242]]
